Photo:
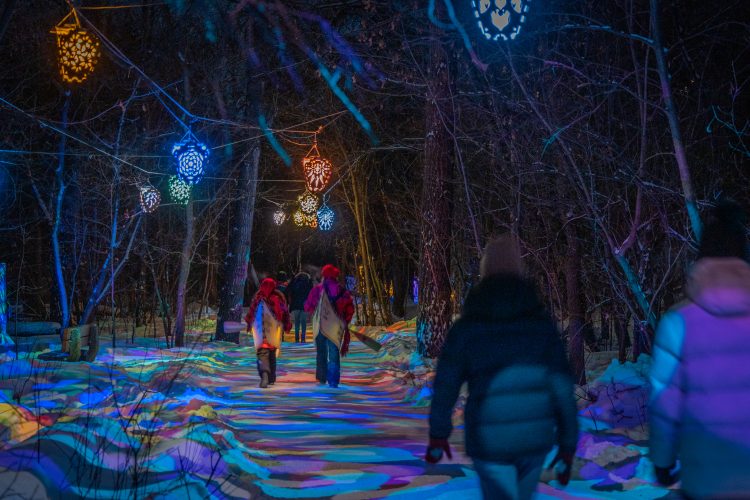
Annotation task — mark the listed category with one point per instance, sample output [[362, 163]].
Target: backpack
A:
[[326, 321], [266, 325]]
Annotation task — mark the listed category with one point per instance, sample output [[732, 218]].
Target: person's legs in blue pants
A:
[[321, 358], [515, 480], [334, 364], [296, 317], [303, 323]]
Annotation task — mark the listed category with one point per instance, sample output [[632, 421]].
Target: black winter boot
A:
[[263, 380]]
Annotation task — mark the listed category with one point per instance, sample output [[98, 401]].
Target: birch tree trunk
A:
[[434, 266]]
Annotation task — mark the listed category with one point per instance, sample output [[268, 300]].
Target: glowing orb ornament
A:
[[308, 203], [150, 199], [279, 217], [179, 191], [500, 19], [77, 49], [299, 218], [311, 220], [325, 218], [317, 170], [191, 157]]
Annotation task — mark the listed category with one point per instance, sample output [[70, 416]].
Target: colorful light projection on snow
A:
[[77, 49], [279, 217], [500, 19], [326, 217], [317, 169], [150, 199], [191, 157], [308, 203], [179, 191]]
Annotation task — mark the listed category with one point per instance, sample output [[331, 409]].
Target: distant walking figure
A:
[[268, 319], [700, 378], [333, 309], [520, 403], [297, 292]]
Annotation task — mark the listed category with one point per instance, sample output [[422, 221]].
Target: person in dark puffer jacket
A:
[[520, 401], [700, 377]]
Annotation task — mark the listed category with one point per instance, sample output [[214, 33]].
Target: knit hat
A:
[[330, 271], [502, 255]]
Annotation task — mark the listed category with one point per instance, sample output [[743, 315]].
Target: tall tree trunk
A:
[[182, 280], [5, 14], [674, 123], [5, 340], [574, 305], [62, 290], [237, 258], [434, 266]]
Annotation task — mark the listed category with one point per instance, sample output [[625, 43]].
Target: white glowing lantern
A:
[[308, 203], [279, 217], [500, 19], [150, 199]]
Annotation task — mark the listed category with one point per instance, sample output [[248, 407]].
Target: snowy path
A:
[[194, 424]]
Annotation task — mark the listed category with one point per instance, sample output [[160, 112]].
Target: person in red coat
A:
[[275, 301], [328, 361]]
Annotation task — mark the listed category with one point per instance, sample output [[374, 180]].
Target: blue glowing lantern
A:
[[191, 158], [500, 19], [325, 218]]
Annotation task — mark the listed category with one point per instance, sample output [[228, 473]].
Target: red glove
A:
[[565, 468], [435, 450]]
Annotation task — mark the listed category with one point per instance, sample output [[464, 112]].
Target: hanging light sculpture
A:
[[311, 221], [77, 49], [325, 218], [500, 19], [299, 218], [308, 203], [179, 191], [279, 216], [317, 170], [191, 157], [150, 199]]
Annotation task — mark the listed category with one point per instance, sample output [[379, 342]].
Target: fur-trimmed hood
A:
[[720, 286]]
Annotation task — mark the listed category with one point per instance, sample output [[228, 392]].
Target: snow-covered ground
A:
[[191, 423]]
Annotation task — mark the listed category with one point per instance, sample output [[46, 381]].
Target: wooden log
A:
[[30, 328]]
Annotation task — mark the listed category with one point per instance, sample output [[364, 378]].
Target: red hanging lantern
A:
[[317, 170]]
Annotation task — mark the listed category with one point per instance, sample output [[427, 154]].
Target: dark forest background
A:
[[596, 138]]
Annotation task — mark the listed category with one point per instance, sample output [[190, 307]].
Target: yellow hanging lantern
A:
[[317, 170], [78, 50], [299, 218], [312, 221]]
